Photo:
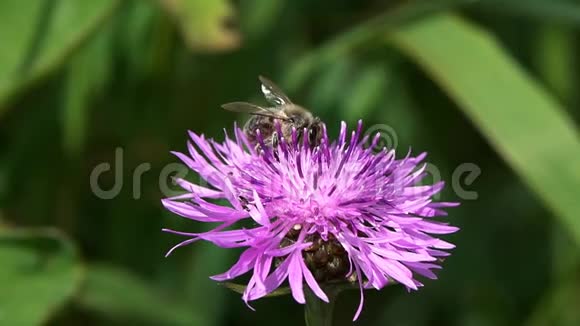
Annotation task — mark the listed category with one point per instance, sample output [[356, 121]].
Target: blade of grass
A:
[[555, 59], [559, 306], [517, 116], [558, 12], [87, 73], [30, 53], [366, 92], [362, 34]]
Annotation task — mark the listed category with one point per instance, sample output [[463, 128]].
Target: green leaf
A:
[[362, 34], [140, 29], [560, 306], [332, 80], [119, 294], [38, 35], [87, 73], [365, 93], [40, 272], [555, 59], [561, 12], [519, 118], [205, 24]]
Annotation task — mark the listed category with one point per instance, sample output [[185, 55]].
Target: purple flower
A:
[[334, 212]]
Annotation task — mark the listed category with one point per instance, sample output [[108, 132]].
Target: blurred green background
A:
[[489, 82]]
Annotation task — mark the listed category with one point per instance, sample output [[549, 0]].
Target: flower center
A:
[[313, 211], [327, 260]]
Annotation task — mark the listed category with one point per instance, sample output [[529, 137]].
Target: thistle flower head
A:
[[338, 211]]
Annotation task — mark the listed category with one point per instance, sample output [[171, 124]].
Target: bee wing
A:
[[255, 110], [273, 93]]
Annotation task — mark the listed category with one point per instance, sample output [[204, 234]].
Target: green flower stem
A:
[[318, 312]]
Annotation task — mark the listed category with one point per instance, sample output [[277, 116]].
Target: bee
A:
[[289, 115]]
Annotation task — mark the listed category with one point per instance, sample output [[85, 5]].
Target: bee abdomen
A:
[[264, 124]]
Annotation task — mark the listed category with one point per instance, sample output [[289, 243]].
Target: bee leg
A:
[[275, 143], [275, 139]]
